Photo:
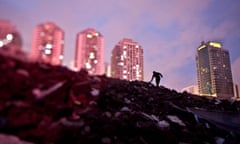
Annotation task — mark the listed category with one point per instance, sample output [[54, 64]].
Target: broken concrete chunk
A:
[[175, 119]]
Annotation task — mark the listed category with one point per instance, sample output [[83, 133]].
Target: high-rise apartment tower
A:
[[127, 60], [47, 44], [89, 53], [10, 39], [214, 70]]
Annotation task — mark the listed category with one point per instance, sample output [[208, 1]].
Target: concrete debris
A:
[[39, 94], [163, 124], [175, 119], [95, 92]]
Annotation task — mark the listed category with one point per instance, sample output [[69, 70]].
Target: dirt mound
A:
[[45, 104]]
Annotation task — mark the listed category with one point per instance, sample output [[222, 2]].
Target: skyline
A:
[[169, 33]]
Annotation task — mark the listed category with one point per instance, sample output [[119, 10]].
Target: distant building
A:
[[47, 44], [89, 53], [193, 89], [236, 90], [127, 60], [214, 71], [107, 69], [10, 39]]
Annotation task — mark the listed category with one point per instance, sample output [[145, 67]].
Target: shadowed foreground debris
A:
[[45, 104]]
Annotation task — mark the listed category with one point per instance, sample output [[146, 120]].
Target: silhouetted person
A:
[[157, 77]]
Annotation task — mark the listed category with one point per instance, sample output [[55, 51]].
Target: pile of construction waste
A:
[[44, 104]]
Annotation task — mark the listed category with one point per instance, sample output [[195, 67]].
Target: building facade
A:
[[214, 70], [127, 60], [10, 39], [47, 44], [89, 53]]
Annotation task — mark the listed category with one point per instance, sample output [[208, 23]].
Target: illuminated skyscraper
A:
[[214, 71], [47, 45], [89, 53], [127, 60], [10, 39]]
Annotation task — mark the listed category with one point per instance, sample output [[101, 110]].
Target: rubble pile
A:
[[40, 103]]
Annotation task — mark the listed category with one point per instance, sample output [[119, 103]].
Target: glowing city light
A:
[[122, 58], [91, 55], [61, 57], [47, 51], [201, 47], [124, 53], [95, 61], [89, 36], [49, 46], [215, 44], [88, 66], [121, 63], [1, 43], [9, 37]]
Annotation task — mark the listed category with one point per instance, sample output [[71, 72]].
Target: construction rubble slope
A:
[[43, 104]]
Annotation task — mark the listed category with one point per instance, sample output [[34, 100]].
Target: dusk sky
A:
[[169, 31]]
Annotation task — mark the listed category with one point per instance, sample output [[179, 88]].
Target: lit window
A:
[[124, 71], [47, 51], [121, 63], [95, 61], [124, 77], [89, 36], [91, 55], [122, 57], [49, 46], [124, 53], [137, 46], [224, 65], [137, 72], [1, 43], [88, 66], [215, 44], [61, 57], [201, 47], [9, 37], [96, 34]]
